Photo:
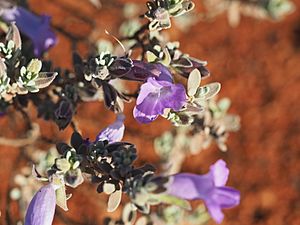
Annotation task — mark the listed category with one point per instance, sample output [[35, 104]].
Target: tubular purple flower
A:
[[155, 96], [141, 71], [114, 132], [42, 207], [209, 187], [37, 28]]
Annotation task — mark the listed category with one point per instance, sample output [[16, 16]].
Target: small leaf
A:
[[44, 79], [167, 57], [14, 35], [183, 62], [151, 57], [194, 81], [21, 90], [183, 8], [172, 200], [162, 20], [208, 91], [62, 148], [114, 201], [2, 67], [194, 109], [61, 198], [34, 66], [224, 104], [129, 213], [63, 165], [76, 140], [110, 95], [109, 188], [119, 104]]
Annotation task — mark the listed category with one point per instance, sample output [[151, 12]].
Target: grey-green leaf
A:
[[172, 200], [194, 81], [208, 91], [129, 213], [2, 67], [14, 35], [61, 198], [224, 104], [114, 201], [44, 79]]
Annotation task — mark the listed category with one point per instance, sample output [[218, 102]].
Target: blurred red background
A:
[[258, 65]]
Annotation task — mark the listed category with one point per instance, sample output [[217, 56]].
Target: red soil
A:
[[259, 68]]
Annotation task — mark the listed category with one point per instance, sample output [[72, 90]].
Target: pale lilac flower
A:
[[209, 187], [155, 96], [114, 132], [37, 28], [42, 207]]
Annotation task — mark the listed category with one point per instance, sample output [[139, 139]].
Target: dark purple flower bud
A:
[[185, 65], [155, 96], [141, 71], [64, 114], [114, 132], [120, 66], [37, 28], [209, 187], [42, 207]]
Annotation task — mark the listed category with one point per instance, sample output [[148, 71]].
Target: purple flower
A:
[[114, 132], [42, 207], [209, 187], [37, 28], [155, 96], [141, 71]]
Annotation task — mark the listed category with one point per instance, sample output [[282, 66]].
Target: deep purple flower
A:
[[155, 96], [114, 132], [209, 187], [42, 207], [141, 71], [37, 28]]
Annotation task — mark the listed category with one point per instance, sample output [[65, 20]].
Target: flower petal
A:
[[215, 211], [155, 96], [227, 197], [190, 186], [219, 172], [42, 207], [142, 117], [37, 28]]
